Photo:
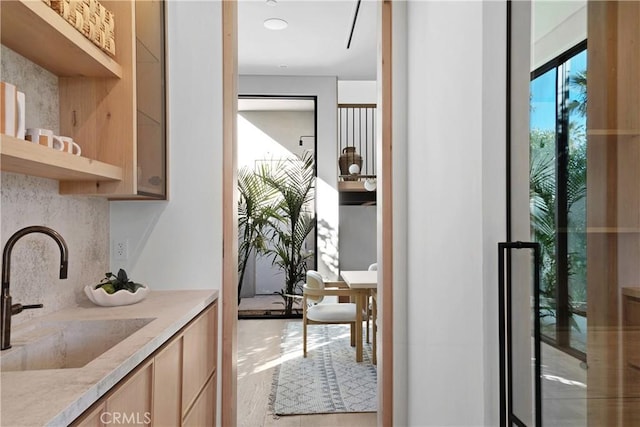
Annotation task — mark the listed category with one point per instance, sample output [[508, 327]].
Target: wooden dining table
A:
[[364, 282]]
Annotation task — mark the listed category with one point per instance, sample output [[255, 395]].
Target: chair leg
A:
[[366, 310], [353, 334], [374, 326], [304, 327]]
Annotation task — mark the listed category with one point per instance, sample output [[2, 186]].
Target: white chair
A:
[[313, 312]]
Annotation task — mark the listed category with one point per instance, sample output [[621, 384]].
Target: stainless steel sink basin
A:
[[65, 344]]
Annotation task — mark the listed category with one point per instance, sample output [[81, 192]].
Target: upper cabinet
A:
[[150, 95], [113, 106]]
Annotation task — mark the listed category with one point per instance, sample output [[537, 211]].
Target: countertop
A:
[[631, 291], [58, 396]]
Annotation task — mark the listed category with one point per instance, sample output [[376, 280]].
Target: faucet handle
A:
[[17, 308]]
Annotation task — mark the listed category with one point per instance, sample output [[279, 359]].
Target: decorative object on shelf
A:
[[21, 114], [116, 290], [348, 158], [40, 136], [91, 19], [370, 184], [354, 169], [8, 109], [66, 144]]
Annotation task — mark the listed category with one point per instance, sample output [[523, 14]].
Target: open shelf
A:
[[28, 25], [613, 132], [353, 193], [32, 159]]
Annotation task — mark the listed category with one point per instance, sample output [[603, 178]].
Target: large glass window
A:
[[558, 195]]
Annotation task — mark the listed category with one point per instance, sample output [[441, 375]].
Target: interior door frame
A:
[[229, 354]]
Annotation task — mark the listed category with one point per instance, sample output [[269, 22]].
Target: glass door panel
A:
[[584, 158]]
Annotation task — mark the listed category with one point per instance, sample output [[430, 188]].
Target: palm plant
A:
[[294, 182], [256, 215]]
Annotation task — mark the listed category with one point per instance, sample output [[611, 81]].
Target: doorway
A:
[[229, 324]]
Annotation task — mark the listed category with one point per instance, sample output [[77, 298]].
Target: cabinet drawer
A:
[[203, 412], [167, 385], [631, 311], [199, 355], [130, 403]]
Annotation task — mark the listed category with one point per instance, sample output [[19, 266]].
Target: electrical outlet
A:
[[121, 249]]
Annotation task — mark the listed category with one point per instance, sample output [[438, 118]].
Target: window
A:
[[558, 175]]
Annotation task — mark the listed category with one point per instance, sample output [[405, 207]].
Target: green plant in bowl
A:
[[113, 283]]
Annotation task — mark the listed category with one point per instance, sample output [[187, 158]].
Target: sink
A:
[[65, 344]]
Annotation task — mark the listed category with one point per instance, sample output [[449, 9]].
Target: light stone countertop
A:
[[631, 291], [58, 396]]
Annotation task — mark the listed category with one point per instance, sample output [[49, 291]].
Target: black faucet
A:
[[7, 309]]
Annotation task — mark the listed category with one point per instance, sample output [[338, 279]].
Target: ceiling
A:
[[313, 44]]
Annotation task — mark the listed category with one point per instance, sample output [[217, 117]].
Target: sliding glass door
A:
[[582, 164]]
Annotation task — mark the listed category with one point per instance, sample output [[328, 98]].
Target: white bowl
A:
[[122, 297]]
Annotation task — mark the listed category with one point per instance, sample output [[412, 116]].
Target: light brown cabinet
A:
[[175, 386], [130, 402], [98, 97], [167, 385], [203, 413]]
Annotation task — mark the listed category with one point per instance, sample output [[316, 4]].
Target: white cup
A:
[[66, 144], [40, 136]]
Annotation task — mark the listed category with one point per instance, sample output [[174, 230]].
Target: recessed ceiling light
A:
[[275, 24], [271, 2], [283, 65]]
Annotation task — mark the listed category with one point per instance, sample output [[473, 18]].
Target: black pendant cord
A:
[[353, 24]]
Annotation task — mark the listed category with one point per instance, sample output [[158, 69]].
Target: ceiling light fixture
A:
[[271, 2], [275, 24]]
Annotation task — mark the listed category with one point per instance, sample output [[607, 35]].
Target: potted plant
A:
[[116, 289], [256, 215], [294, 181]]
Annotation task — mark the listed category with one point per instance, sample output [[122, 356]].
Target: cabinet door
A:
[[167, 385], [203, 412], [150, 98], [130, 403], [199, 355]]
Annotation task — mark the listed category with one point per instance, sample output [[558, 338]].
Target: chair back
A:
[[314, 281], [373, 267]]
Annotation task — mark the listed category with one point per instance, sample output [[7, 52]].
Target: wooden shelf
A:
[[613, 132], [29, 25], [613, 230], [32, 159]]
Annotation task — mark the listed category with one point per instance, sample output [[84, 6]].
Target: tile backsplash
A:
[[82, 221]]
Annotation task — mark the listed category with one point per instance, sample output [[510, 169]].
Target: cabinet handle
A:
[[73, 119]]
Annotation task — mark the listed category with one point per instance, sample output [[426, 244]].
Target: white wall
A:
[[357, 237], [325, 88], [178, 244], [357, 92], [455, 207], [557, 26]]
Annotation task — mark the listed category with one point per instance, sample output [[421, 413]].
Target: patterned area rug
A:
[[329, 380]]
